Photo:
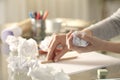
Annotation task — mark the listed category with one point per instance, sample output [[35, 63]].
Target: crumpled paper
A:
[[18, 68], [22, 47], [23, 68], [28, 48], [45, 43], [20, 64], [77, 41], [47, 73], [13, 43], [26, 67]]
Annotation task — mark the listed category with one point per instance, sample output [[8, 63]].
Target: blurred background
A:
[[90, 11], [86, 12]]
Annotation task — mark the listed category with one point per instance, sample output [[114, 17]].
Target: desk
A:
[[86, 65], [83, 68]]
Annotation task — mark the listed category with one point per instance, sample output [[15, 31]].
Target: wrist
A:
[[105, 46]]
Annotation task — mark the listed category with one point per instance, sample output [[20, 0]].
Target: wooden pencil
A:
[[62, 59]]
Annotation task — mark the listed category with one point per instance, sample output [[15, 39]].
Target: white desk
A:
[[82, 68], [85, 66]]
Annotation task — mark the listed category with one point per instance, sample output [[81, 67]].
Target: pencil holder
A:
[[39, 24], [39, 30]]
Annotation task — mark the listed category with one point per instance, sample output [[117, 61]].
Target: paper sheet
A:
[[84, 62]]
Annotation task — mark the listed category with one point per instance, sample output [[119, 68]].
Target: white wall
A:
[[68, 8], [61, 8], [112, 6], [16, 10], [2, 11]]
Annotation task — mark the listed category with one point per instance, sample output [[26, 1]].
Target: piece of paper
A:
[[84, 62]]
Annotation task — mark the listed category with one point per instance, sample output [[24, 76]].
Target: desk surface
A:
[[85, 62]]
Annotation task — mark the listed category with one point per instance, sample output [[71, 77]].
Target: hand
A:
[[55, 53], [94, 43]]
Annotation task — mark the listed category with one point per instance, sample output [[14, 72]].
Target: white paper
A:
[[22, 47], [77, 41], [84, 62], [13, 43], [28, 48], [47, 73]]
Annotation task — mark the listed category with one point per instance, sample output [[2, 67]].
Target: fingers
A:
[[69, 39], [68, 34], [52, 47], [60, 54], [54, 44], [90, 39], [69, 42], [51, 40]]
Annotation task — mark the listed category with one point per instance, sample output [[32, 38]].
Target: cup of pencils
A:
[[38, 21]]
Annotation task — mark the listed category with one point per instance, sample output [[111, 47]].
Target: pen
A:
[[31, 15], [35, 14], [41, 14], [38, 16], [45, 15]]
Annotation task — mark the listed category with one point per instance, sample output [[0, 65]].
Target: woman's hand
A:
[[94, 43], [65, 43], [57, 47]]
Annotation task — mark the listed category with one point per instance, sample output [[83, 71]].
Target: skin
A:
[[53, 53], [95, 44]]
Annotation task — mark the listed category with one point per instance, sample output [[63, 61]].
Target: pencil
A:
[[63, 59]]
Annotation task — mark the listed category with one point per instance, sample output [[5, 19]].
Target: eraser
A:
[[78, 41]]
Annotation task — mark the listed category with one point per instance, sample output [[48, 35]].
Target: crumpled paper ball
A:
[[47, 73], [13, 43], [40, 73], [18, 76], [28, 48], [18, 64], [31, 68], [18, 68], [22, 47], [78, 41]]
